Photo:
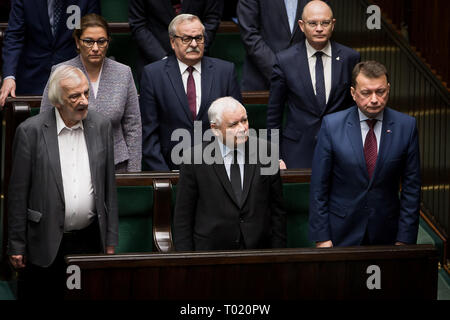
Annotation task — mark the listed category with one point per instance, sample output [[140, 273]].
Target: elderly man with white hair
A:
[[232, 203], [62, 193]]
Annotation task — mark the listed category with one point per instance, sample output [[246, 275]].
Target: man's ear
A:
[[301, 24], [352, 92]]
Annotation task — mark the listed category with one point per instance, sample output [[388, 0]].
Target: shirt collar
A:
[[60, 125], [225, 150], [363, 117], [311, 51], [183, 66]]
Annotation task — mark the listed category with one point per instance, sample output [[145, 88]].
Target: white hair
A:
[[217, 108], [180, 19], [59, 74]]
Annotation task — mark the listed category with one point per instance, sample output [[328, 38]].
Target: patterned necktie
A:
[[235, 177], [191, 93], [370, 147], [320, 81], [57, 13]]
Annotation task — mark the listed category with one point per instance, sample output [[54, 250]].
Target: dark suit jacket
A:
[[164, 105], [265, 30], [344, 203], [208, 217], [29, 47], [291, 85], [36, 195], [149, 21]]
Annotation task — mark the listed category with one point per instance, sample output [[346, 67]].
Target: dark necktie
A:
[[57, 13], [320, 80], [370, 148], [235, 177], [191, 94]]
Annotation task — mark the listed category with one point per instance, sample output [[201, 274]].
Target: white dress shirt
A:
[[227, 155], [76, 175], [197, 74], [376, 128], [326, 60]]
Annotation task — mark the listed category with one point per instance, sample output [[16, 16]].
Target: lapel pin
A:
[[338, 58], [388, 131]]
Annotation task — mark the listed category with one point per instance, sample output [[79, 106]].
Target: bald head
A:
[[317, 23], [316, 7]]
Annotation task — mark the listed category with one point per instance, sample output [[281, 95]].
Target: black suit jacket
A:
[[208, 216], [36, 196], [149, 20], [265, 30], [164, 105]]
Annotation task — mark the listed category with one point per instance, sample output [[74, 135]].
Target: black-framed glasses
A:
[[101, 43], [324, 24], [188, 39]]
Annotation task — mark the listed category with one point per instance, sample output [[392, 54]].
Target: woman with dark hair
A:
[[112, 91]]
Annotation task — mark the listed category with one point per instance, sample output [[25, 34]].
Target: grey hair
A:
[[59, 74], [217, 108], [180, 19]]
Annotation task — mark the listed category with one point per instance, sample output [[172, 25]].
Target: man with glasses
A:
[[149, 20], [313, 79], [365, 183], [178, 90]]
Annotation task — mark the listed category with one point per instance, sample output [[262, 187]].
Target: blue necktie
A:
[[320, 80], [291, 10], [57, 13]]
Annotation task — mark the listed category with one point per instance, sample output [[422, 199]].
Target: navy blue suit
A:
[[344, 204], [29, 47], [291, 85], [265, 30], [164, 105]]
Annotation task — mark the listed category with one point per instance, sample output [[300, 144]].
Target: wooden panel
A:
[[407, 272]]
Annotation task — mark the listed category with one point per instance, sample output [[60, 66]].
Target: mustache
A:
[[197, 50]]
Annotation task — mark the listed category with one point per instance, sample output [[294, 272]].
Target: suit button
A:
[[242, 220]]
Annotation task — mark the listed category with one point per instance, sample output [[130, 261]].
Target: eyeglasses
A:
[[188, 39], [101, 43], [314, 24]]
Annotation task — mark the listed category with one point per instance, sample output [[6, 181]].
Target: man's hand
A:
[[282, 165], [8, 87], [110, 250], [324, 244], [17, 261], [398, 243]]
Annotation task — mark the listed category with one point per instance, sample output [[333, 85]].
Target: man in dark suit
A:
[[313, 79], [178, 90], [62, 193], [262, 40], [37, 38], [228, 201], [149, 20], [363, 155]]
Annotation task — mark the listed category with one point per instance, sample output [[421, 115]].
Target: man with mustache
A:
[[178, 90], [62, 192], [229, 201]]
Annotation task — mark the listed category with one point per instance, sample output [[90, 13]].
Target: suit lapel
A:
[[282, 12], [206, 85], [385, 141], [249, 171], [336, 70], [173, 72], [42, 12], [51, 141], [91, 145], [305, 76], [354, 135]]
